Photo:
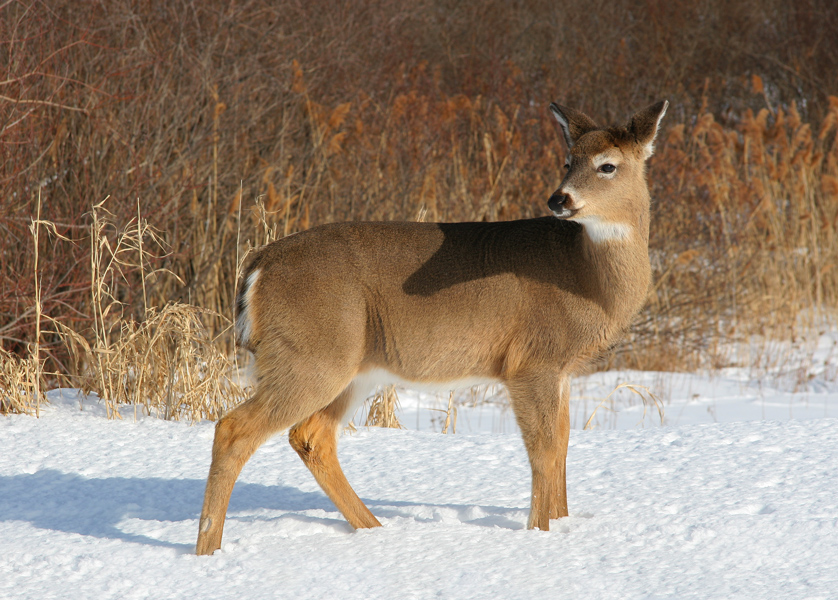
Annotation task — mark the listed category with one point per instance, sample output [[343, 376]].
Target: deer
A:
[[332, 312]]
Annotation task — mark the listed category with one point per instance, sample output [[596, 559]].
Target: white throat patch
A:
[[604, 231]]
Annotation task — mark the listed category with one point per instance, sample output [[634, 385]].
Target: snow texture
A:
[[92, 508]]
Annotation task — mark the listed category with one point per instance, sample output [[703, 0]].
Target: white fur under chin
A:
[[604, 231]]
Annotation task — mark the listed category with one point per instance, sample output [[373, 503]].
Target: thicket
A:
[[201, 128]]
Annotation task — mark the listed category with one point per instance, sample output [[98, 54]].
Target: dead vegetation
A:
[[167, 366], [20, 390], [382, 410], [212, 127]]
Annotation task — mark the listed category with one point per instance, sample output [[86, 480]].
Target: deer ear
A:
[[644, 126], [574, 124]]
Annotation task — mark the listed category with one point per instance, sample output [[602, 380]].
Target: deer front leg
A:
[[558, 501], [540, 402]]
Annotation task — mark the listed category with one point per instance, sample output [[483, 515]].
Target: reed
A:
[[214, 128], [20, 389]]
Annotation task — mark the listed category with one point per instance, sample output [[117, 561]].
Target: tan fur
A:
[[315, 440], [526, 303]]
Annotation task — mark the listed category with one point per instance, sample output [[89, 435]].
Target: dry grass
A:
[[168, 366], [20, 390], [382, 411], [647, 398], [746, 237], [212, 128], [450, 415]]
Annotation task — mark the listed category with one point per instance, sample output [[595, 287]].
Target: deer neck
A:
[[616, 255]]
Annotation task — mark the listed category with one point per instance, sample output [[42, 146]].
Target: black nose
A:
[[556, 202]]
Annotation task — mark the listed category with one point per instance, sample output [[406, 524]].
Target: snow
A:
[[805, 388], [734, 496]]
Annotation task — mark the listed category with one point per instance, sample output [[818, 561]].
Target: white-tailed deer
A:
[[332, 312]]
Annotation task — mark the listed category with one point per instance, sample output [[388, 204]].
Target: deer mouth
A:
[[565, 213]]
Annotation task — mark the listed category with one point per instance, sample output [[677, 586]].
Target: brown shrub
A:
[[381, 109]]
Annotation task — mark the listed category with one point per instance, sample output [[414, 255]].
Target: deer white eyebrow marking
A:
[[609, 156]]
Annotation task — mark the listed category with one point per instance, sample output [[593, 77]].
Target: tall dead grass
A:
[[168, 366], [746, 236], [382, 410], [212, 127], [20, 389]]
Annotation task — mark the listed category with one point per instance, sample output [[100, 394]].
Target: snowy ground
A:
[[735, 496], [805, 388]]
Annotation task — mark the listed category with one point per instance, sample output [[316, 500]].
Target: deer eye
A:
[[607, 168], [567, 165]]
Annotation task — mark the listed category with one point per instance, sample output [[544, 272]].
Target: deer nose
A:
[[557, 201]]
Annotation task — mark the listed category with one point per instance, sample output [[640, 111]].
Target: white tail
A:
[[332, 312]]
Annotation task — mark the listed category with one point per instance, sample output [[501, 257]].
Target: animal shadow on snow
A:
[[71, 503]]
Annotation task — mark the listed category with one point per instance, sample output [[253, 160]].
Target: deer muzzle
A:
[[559, 204]]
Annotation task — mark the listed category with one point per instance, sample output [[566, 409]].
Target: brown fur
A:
[[527, 303]]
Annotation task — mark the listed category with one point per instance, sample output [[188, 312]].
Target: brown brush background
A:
[[222, 124]]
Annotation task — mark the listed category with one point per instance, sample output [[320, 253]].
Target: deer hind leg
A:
[[541, 409], [315, 440], [275, 406], [237, 436]]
